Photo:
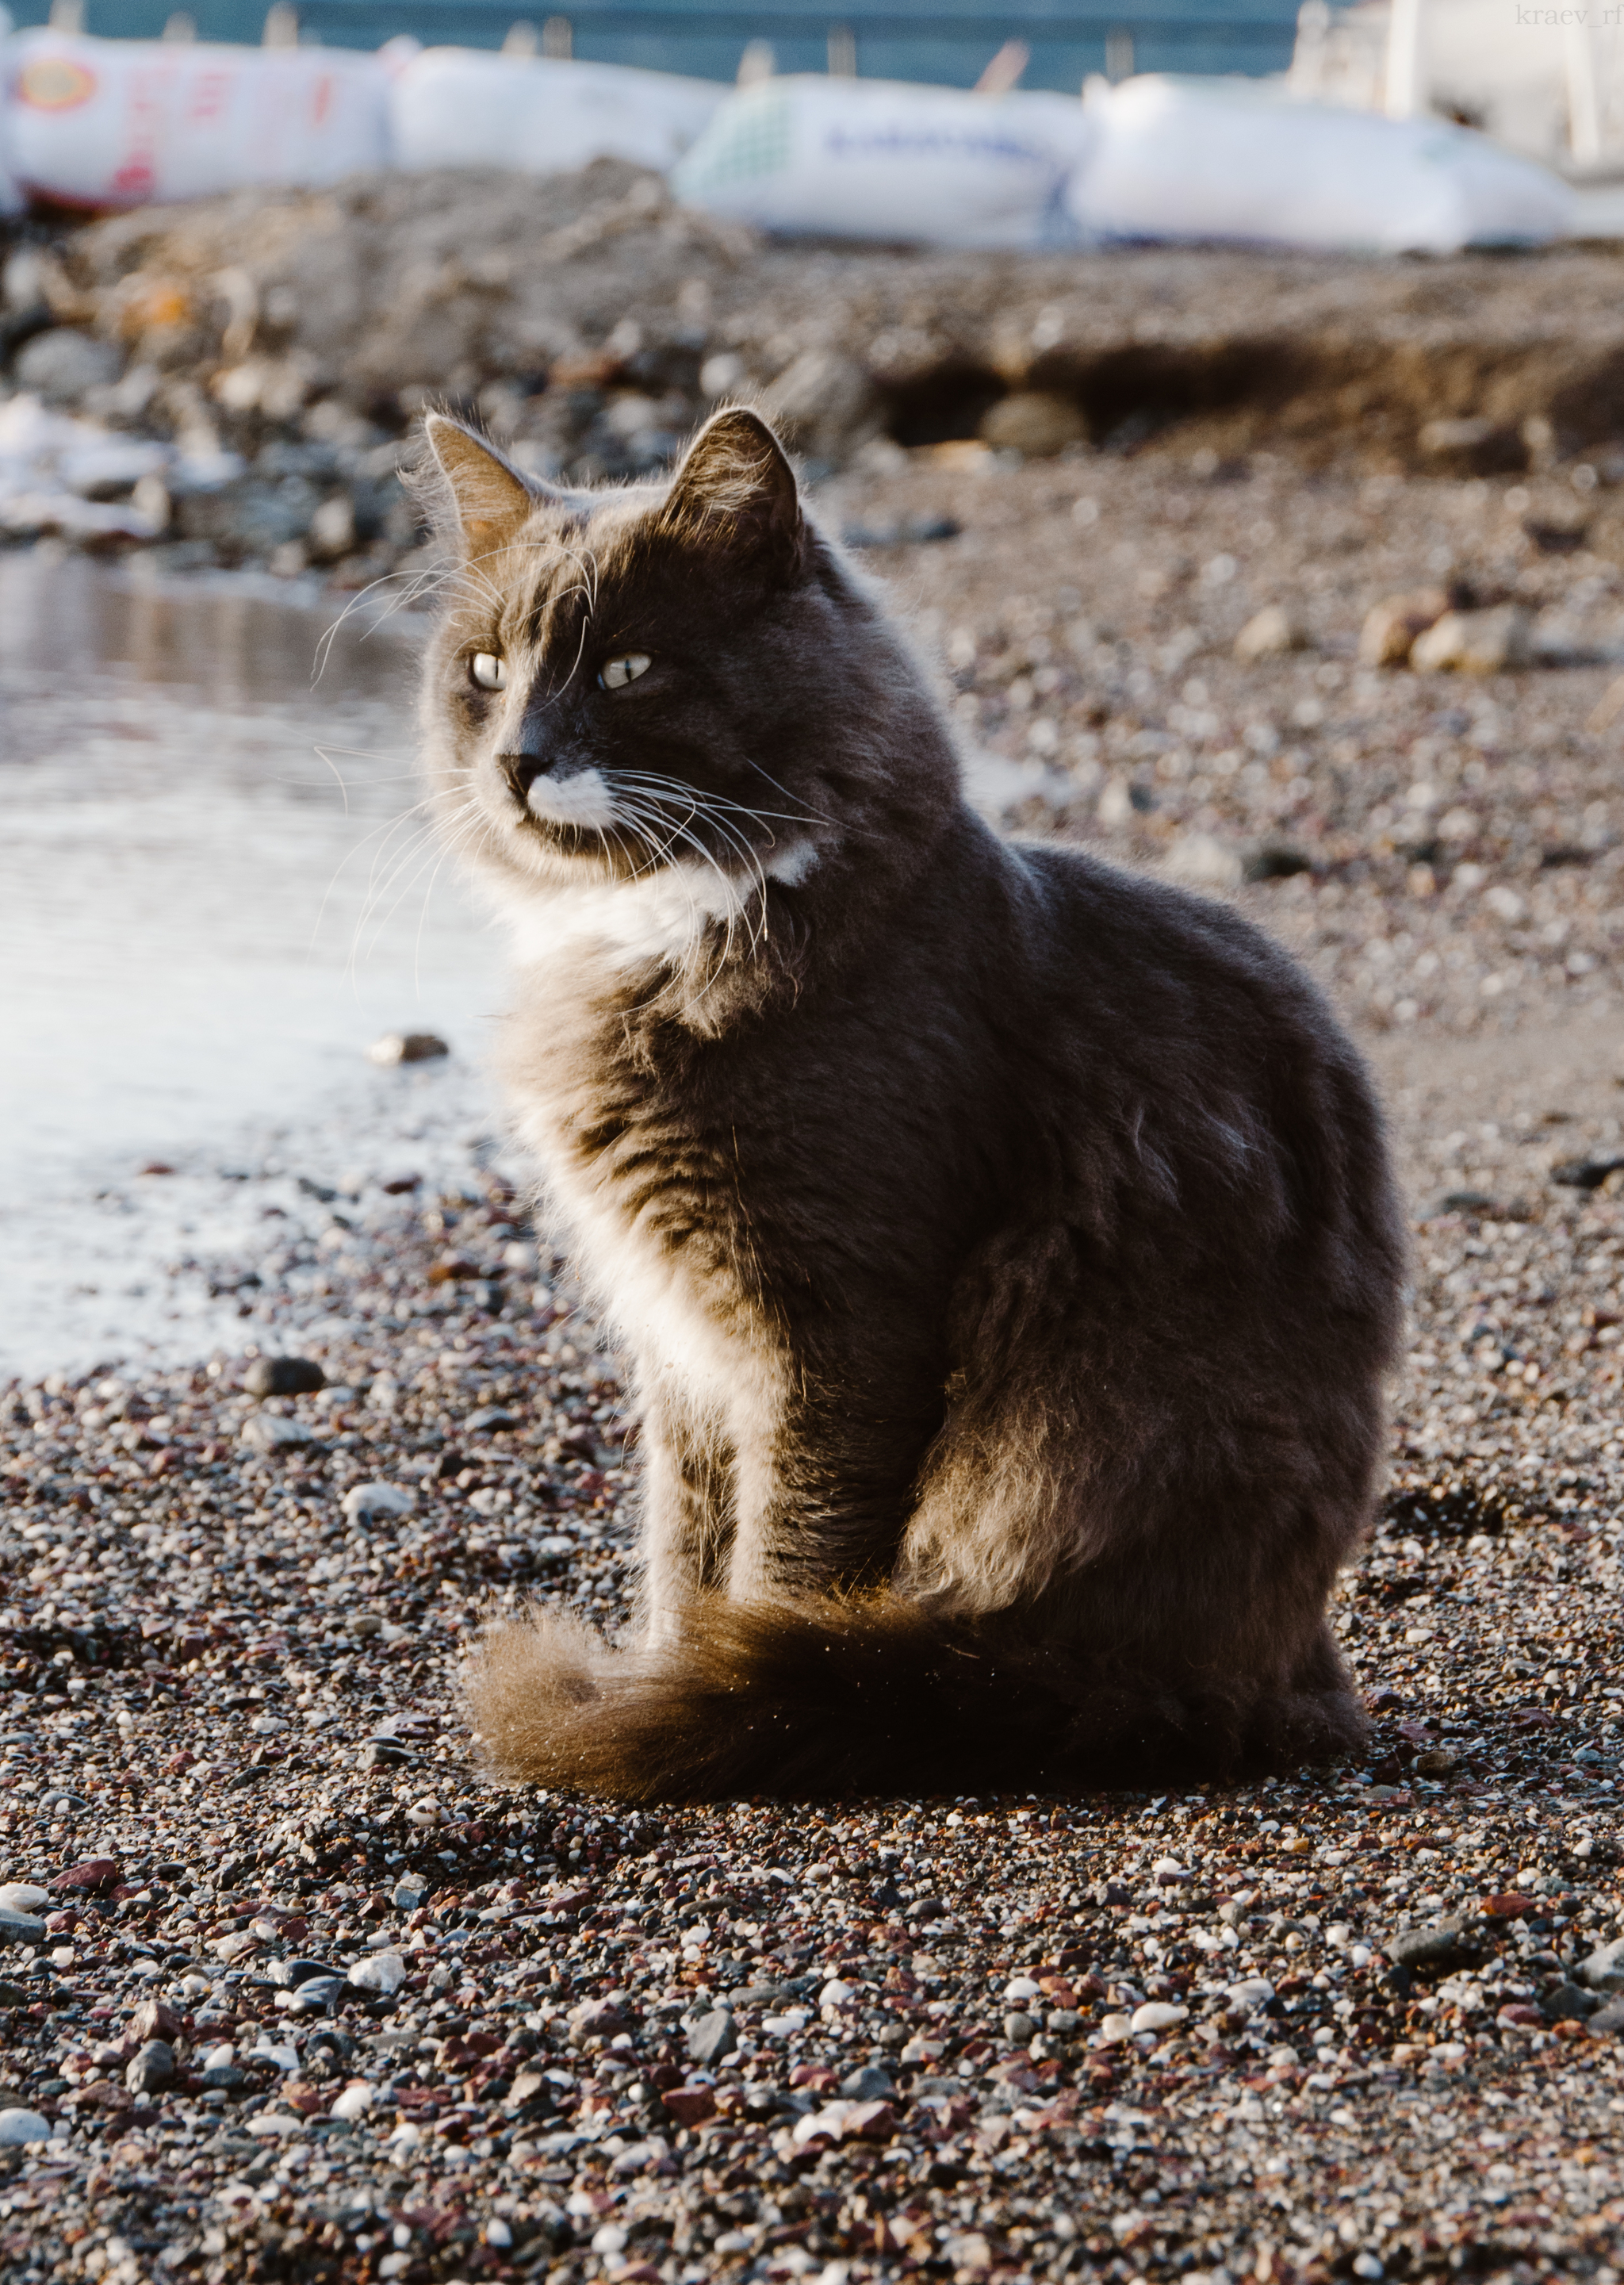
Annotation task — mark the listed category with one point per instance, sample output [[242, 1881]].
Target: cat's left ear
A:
[[488, 499], [735, 494]]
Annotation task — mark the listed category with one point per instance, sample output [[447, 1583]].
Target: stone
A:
[[1393, 626], [1203, 861], [21, 1927], [383, 1971], [90, 1875], [316, 1995], [826, 401], [269, 1432], [713, 2036], [1271, 633], [408, 1893], [63, 363], [406, 1048], [369, 1502], [1251, 1992], [1443, 1946], [868, 2085], [1475, 642], [1608, 2020], [22, 1897], [151, 2067], [1114, 2030], [154, 2020], [1567, 2003], [355, 2100], [690, 2105], [1037, 422], [1157, 2015], [1473, 444], [23, 2126], [284, 1376], [1063, 2021], [1019, 2027], [1604, 1971]]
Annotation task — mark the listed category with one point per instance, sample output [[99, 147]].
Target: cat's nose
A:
[[520, 771]]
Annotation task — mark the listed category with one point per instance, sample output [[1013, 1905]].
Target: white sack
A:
[[878, 159], [466, 107], [1228, 158], [125, 122]]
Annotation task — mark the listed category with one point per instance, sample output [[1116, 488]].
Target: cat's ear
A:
[[735, 493], [487, 499]]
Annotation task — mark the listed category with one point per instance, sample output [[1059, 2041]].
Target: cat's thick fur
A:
[[1004, 1244]]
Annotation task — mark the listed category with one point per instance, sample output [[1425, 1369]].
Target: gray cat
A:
[[1005, 1246]]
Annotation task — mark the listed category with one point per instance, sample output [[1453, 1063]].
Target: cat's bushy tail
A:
[[871, 1695]]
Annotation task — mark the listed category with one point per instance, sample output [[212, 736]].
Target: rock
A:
[[826, 401], [1443, 1946], [868, 2085], [1475, 642], [1473, 444], [1608, 2020], [152, 2066], [274, 2123], [1567, 2003], [835, 1994], [1035, 421], [1020, 1988], [1114, 2030], [381, 1971], [355, 2100], [492, 1419], [21, 1927], [690, 2105], [317, 1994], [1275, 861], [1064, 2022], [1251, 1992], [62, 363], [368, 1503], [409, 1891], [1020, 2027], [90, 1875], [1157, 2015], [1203, 861], [284, 1376], [868, 2122], [1392, 627], [154, 2020], [1269, 633], [23, 2126], [22, 1897], [269, 1432], [712, 2037], [291, 1972], [406, 1048], [1604, 1971]]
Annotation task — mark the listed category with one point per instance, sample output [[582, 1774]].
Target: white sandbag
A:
[[878, 159], [1229, 158], [466, 107], [124, 123]]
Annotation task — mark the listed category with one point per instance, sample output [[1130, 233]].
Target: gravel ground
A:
[[1130, 2038]]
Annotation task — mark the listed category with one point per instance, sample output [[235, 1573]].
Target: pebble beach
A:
[[289, 1989]]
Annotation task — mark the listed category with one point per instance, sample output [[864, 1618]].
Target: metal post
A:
[[281, 25], [757, 63], [843, 51], [1119, 55], [557, 39], [1584, 95]]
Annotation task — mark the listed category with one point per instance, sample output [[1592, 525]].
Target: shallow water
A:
[[209, 910]]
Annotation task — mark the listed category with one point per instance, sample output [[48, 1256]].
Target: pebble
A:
[[22, 1897], [407, 1048], [1269, 633], [273, 1431], [1604, 1970], [284, 1376], [374, 1503], [21, 1927], [714, 2036], [1475, 642], [153, 2066], [23, 2126], [1429, 1947]]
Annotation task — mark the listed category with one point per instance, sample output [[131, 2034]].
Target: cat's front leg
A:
[[688, 1513]]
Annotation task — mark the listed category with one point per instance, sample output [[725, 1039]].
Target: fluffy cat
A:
[[1004, 1244]]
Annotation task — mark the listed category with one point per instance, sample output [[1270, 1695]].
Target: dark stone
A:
[[1567, 2003], [1608, 2019], [284, 1376], [712, 2037], [1447, 1945], [868, 2085], [152, 2066], [1585, 1174]]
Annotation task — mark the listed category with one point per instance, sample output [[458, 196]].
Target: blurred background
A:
[[1233, 399]]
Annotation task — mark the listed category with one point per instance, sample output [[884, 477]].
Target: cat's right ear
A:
[[477, 492], [734, 494]]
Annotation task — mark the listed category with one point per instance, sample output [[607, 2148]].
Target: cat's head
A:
[[678, 678]]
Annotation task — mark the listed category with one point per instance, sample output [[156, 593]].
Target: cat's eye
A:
[[616, 672], [489, 671]]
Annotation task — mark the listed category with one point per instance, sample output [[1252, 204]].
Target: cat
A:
[[1004, 1244]]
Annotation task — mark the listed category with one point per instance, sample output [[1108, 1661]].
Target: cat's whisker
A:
[[380, 888]]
